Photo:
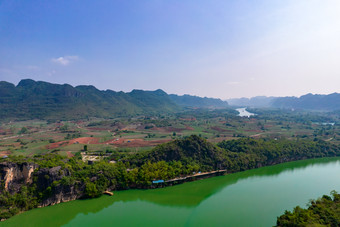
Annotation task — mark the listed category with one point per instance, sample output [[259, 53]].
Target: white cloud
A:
[[66, 60]]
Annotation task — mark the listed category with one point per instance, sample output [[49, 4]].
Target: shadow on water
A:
[[184, 195]]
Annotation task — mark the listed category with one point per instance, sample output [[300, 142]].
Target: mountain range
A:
[[37, 99], [42, 100], [314, 102]]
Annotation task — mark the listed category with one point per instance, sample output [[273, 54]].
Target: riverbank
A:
[[193, 177], [52, 179], [260, 194]]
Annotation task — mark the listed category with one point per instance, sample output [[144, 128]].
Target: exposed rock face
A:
[[14, 175], [48, 181], [60, 192]]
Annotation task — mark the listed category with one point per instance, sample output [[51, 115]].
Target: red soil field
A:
[[118, 142], [81, 140], [135, 142]]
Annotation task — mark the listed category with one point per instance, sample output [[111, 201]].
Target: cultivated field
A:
[[33, 137]]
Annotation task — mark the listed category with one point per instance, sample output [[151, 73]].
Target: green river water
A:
[[250, 198]]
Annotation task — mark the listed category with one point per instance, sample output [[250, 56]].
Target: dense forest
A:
[[56, 177], [324, 211]]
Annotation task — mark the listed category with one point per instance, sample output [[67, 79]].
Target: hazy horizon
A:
[[178, 94], [220, 49]]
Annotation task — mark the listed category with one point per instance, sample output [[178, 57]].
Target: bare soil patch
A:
[[216, 128], [119, 142], [81, 140], [69, 154], [135, 142], [189, 128], [4, 153]]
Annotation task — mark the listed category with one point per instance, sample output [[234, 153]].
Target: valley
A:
[[134, 134]]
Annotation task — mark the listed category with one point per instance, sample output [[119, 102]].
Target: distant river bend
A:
[[244, 113]]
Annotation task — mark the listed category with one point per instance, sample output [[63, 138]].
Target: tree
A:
[[91, 190], [23, 130], [64, 128]]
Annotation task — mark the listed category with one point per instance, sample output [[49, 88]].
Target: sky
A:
[[217, 48]]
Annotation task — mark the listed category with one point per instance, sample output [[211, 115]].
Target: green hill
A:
[[36, 99], [198, 102], [193, 150]]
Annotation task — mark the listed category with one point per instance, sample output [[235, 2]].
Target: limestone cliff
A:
[[59, 192], [13, 175]]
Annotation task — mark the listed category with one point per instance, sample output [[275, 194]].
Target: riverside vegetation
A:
[[56, 178], [324, 211]]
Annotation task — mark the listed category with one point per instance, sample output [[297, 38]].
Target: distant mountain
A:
[[329, 102], [258, 101], [37, 99], [316, 102], [31, 99], [195, 101]]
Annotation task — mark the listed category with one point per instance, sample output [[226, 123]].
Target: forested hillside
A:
[[195, 101], [36, 99], [31, 99]]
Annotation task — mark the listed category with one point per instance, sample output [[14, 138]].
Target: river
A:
[[244, 113], [250, 198]]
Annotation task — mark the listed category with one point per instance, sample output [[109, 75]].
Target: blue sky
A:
[[214, 48]]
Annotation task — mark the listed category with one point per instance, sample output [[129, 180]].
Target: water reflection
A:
[[188, 195], [193, 193]]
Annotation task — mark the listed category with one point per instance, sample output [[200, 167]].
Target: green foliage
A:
[[190, 151], [11, 204], [23, 130], [324, 211], [91, 190], [64, 128], [247, 153]]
